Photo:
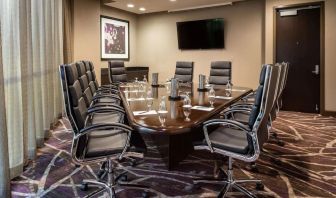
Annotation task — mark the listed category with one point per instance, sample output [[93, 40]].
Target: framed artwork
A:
[[114, 38]]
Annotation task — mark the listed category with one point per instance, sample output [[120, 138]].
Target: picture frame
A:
[[114, 38]]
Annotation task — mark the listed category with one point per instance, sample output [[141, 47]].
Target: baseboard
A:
[[329, 113]]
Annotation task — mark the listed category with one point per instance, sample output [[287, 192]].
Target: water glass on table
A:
[[149, 100], [187, 107], [162, 111], [211, 96]]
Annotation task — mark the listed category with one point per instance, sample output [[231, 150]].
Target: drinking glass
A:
[[149, 100], [142, 90], [228, 89], [207, 82], [187, 107], [145, 79], [168, 86], [162, 111], [211, 96]]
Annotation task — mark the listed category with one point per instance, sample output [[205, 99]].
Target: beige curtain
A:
[[4, 160], [33, 31], [67, 30]]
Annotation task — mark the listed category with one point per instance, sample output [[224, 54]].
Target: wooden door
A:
[[298, 42]]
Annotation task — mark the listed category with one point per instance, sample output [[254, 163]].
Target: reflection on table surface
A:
[[134, 96]]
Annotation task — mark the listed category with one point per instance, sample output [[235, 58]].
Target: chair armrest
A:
[[241, 105], [249, 96], [111, 128], [103, 105], [107, 92], [112, 96], [235, 110], [105, 109], [107, 127]]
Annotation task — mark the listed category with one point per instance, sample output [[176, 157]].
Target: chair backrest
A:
[[94, 79], [84, 82], [66, 99], [220, 72], [264, 100], [285, 67], [184, 71], [78, 108], [117, 72]]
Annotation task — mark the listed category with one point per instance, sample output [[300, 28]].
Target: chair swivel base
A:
[[230, 183], [111, 184]]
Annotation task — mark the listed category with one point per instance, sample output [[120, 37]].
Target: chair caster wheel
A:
[[145, 195], [281, 143], [100, 173], [276, 161], [260, 186], [133, 163], [252, 167], [123, 178], [77, 166], [84, 186], [194, 186]]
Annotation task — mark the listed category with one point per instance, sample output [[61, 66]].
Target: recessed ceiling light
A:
[[172, 0], [142, 9], [130, 5]]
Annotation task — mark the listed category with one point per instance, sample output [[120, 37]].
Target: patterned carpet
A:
[[306, 166]]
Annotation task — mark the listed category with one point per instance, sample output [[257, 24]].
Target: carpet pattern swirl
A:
[[304, 167]]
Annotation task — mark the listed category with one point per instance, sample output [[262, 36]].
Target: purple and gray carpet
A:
[[306, 166]]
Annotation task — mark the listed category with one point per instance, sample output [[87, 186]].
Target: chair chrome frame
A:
[[110, 185], [269, 92]]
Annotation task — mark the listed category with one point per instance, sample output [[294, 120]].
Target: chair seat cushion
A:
[[101, 143], [229, 139]]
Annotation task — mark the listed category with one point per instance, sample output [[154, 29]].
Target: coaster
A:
[[203, 90], [174, 98]]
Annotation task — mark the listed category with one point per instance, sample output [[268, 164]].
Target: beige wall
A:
[[248, 39], [330, 44], [87, 31], [158, 47]]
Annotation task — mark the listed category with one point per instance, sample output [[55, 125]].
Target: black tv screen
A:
[[202, 34]]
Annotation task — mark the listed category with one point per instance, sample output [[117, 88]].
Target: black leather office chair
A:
[[277, 106], [239, 141], [84, 116], [220, 73], [184, 71], [117, 72], [243, 115], [90, 97], [94, 141]]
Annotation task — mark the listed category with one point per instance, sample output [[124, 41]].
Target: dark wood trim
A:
[[322, 58], [329, 113], [129, 50], [322, 43]]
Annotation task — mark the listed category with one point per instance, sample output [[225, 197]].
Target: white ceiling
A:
[[164, 5]]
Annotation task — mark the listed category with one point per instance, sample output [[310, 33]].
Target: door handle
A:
[[317, 70]]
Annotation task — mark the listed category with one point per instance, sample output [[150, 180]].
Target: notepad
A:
[[224, 97], [135, 99], [140, 113], [131, 91], [202, 108], [238, 90]]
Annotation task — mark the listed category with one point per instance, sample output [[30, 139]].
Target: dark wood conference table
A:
[[174, 138]]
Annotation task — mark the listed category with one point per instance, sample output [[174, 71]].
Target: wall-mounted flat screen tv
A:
[[201, 34]]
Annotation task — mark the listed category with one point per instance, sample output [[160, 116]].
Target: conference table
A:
[[173, 136]]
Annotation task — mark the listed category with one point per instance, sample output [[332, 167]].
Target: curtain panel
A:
[[32, 50], [4, 160]]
